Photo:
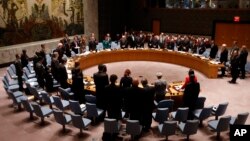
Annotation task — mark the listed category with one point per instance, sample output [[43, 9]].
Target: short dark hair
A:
[[190, 72], [113, 78], [144, 81], [100, 67]]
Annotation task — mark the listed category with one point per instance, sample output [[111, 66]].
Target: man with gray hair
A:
[[160, 87]]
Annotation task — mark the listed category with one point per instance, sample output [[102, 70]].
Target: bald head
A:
[[135, 82]]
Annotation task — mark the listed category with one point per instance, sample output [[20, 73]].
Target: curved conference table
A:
[[193, 61]]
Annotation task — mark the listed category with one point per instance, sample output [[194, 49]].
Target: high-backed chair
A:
[[12, 88], [60, 104], [15, 94], [27, 106], [189, 128], [133, 128], [219, 125], [61, 118], [76, 107], [166, 103], [167, 128], [11, 73], [200, 102], [181, 114], [202, 114], [240, 119], [47, 99], [93, 111], [66, 93], [30, 68], [12, 66], [10, 81], [79, 122], [90, 98], [16, 100], [42, 112], [160, 115], [35, 92], [219, 110], [28, 74], [111, 126]]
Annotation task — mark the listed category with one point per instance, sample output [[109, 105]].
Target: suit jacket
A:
[[213, 52], [63, 76], [73, 46], [113, 101], [126, 81], [135, 95], [191, 94], [243, 57], [92, 45], [160, 87], [224, 56], [101, 81]]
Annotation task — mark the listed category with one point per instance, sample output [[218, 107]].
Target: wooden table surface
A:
[[196, 62]]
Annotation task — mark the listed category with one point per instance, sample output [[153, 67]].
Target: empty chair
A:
[[219, 125], [47, 99], [61, 118], [27, 106], [200, 102], [15, 94], [189, 128], [220, 110], [79, 122], [26, 79], [76, 107], [167, 103], [28, 74], [202, 114], [12, 88], [160, 115], [30, 68], [11, 73], [90, 98], [16, 100], [12, 66], [111, 126], [240, 119], [133, 128], [93, 111], [35, 92], [66, 93], [60, 104], [42, 112], [10, 82], [167, 128], [181, 114]]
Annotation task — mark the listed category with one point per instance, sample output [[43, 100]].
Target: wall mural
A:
[[34, 20]]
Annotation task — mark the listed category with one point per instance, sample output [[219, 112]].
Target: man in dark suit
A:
[[42, 53], [243, 60], [101, 81], [113, 98], [19, 72], [223, 58], [40, 72], [75, 44], [62, 74], [234, 61], [135, 95], [190, 95], [214, 50], [147, 105], [92, 43]]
